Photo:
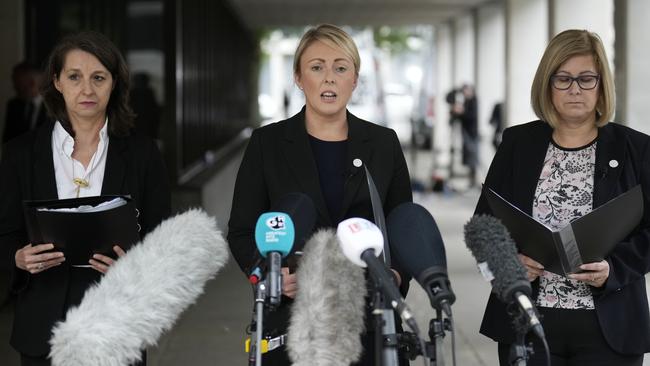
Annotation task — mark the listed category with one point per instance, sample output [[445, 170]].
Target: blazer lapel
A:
[[298, 154], [358, 148], [608, 153], [529, 166], [44, 180], [115, 171]]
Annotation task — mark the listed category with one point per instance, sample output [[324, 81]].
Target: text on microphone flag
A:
[[275, 222], [274, 232], [358, 226]]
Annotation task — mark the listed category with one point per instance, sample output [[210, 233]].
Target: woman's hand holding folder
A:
[[595, 274], [534, 269], [36, 259], [101, 262]]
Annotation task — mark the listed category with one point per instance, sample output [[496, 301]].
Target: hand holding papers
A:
[[587, 239], [80, 227]]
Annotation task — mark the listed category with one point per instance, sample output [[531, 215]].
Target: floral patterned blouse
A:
[[564, 193]]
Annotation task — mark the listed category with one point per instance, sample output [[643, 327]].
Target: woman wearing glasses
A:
[[562, 167]]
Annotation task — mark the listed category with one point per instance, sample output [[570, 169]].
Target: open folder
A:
[[81, 227], [587, 239]]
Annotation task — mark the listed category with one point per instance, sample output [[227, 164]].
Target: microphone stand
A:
[[268, 289], [520, 352], [255, 351], [385, 333], [413, 346], [437, 328]]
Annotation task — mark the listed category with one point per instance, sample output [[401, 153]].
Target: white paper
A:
[[104, 206]]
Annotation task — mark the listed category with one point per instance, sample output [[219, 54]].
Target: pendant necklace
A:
[[83, 182]]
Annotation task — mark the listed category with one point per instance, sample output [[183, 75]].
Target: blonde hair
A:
[[332, 36], [565, 45]]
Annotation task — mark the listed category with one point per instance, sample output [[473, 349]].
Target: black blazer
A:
[[621, 304], [279, 160], [133, 166]]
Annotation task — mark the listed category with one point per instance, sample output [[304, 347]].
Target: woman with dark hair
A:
[[87, 151]]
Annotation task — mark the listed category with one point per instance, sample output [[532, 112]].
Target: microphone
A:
[[142, 294], [362, 242], [292, 217], [489, 241], [327, 314], [417, 245]]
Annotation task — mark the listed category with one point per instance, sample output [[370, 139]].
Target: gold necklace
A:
[[83, 182]]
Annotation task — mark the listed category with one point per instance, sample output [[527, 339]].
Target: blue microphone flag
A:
[[274, 232]]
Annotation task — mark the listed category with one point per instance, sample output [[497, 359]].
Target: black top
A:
[[330, 159]]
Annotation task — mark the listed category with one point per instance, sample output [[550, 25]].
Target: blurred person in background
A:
[[496, 120], [25, 111], [468, 115], [144, 105]]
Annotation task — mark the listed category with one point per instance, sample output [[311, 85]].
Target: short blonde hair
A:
[[332, 36], [565, 45]]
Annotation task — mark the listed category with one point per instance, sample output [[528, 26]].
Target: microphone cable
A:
[[453, 340], [547, 351]]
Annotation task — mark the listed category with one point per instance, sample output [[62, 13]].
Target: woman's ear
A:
[[296, 80], [57, 85]]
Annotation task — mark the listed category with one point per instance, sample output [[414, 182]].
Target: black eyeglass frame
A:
[[574, 79]]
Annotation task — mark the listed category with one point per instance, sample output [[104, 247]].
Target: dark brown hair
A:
[[120, 115]]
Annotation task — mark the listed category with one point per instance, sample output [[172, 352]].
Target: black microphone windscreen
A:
[[501, 255], [475, 237], [302, 211], [415, 239]]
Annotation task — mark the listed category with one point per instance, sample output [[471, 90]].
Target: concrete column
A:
[[490, 76], [592, 15], [635, 56], [12, 39], [464, 50], [444, 83], [526, 37]]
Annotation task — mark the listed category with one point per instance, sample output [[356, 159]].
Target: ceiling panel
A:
[[277, 13]]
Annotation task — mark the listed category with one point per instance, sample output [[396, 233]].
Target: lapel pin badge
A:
[[613, 163], [358, 163]]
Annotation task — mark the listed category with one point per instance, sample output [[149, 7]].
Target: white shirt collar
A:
[[64, 143], [66, 168]]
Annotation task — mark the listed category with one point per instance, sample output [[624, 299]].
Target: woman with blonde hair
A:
[[560, 168], [319, 152]]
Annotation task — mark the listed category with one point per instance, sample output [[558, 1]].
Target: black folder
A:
[[79, 235], [587, 239]]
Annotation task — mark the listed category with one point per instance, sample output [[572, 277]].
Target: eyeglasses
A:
[[564, 82]]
